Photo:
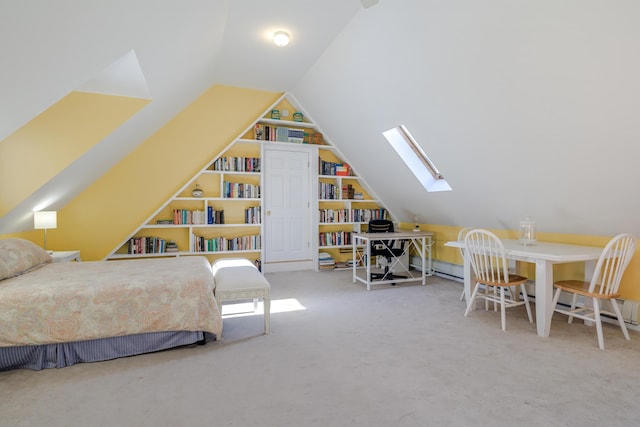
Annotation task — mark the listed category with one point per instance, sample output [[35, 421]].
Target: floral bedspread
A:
[[74, 301]]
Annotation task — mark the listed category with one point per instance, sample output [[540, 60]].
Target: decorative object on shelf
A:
[[44, 220], [316, 138], [197, 192], [527, 231], [275, 114], [297, 116]]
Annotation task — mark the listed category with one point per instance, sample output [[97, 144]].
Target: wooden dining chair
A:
[[489, 263], [603, 286]]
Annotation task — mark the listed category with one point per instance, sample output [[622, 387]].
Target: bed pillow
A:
[[17, 256]]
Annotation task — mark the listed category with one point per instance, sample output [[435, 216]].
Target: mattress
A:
[[80, 301]]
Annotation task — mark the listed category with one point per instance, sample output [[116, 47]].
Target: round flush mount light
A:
[[281, 38]]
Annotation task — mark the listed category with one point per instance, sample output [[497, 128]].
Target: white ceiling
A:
[[527, 108]]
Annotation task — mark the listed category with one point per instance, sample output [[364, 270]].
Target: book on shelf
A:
[[325, 261], [343, 170], [259, 132], [295, 135], [347, 191]]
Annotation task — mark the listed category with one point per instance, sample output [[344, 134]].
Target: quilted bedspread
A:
[[75, 301]]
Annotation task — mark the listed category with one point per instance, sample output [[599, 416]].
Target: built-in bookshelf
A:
[[223, 217], [219, 211], [345, 206]]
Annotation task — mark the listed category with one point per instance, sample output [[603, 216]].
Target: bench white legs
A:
[[238, 279]]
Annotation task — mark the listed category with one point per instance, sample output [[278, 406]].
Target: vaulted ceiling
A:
[[527, 108]]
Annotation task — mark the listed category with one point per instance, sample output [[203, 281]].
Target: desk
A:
[[419, 240], [544, 255]]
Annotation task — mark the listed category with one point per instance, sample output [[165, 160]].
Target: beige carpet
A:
[[341, 356]]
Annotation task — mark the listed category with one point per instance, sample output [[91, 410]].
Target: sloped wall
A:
[[104, 214]]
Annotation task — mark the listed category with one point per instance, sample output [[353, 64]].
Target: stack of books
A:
[[326, 261], [171, 246]]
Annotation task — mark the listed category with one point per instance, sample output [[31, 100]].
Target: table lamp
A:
[[44, 220]]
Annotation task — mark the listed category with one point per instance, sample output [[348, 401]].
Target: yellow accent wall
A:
[[56, 138], [628, 286], [104, 215]]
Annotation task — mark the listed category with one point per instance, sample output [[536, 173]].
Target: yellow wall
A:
[[628, 287], [110, 209], [55, 139]]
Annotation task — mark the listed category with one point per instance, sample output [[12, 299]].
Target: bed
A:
[[59, 314]]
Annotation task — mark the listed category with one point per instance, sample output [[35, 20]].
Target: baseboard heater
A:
[[442, 269]]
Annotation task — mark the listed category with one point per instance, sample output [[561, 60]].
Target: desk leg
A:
[[353, 258], [544, 297], [368, 262], [422, 257]]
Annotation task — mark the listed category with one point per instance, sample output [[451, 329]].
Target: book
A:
[[295, 135], [347, 191], [259, 133], [282, 134]]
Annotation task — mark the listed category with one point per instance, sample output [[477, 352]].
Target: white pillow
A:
[[18, 256]]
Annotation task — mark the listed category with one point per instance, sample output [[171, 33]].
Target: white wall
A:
[[527, 107]]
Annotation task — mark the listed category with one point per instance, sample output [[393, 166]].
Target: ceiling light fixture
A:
[[281, 38]]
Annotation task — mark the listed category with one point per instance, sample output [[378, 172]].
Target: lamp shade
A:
[[45, 219]]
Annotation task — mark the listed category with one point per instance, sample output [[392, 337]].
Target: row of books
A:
[[219, 244], [327, 191], [333, 168], [334, 238], [280, 133], [185, 216], [253, 215], [351, 215], [240, 190], [237, 164], [146, 245]]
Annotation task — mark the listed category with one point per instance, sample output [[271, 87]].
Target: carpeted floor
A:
[[341, 356]]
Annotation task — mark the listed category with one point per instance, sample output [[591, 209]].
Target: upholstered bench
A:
[[238, 279]]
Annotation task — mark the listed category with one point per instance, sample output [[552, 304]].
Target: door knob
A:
[[268, 213]]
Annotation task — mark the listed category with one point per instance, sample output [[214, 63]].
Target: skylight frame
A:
[[416, 159]]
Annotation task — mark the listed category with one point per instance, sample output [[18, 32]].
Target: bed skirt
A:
[[39, 357]]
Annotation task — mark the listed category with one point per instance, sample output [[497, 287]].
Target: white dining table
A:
[[544, 255]]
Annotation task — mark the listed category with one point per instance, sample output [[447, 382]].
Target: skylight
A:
[[416, 160]]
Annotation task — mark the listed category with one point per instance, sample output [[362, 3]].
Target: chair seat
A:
[[582, 288], [514, 280]]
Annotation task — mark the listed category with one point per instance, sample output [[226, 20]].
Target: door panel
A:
[[286, 203]]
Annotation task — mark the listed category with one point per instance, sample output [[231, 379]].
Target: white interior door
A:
[[287, 208]]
